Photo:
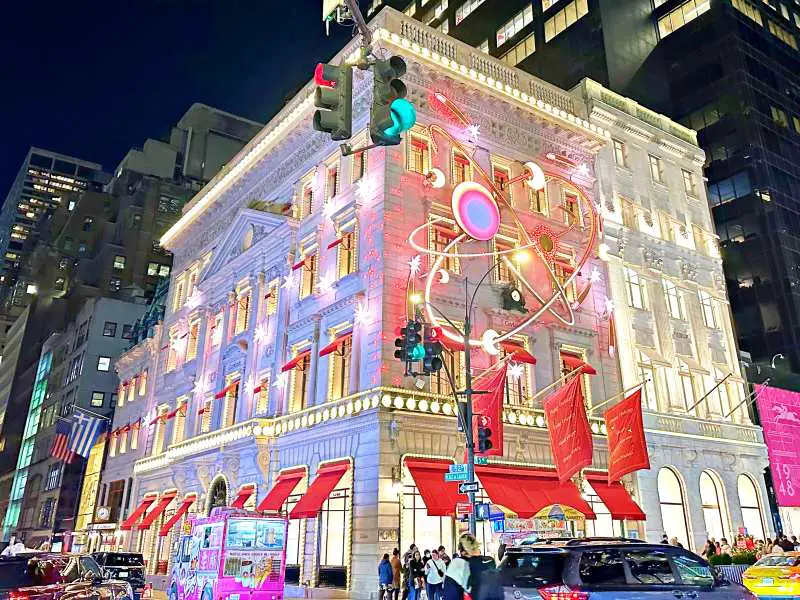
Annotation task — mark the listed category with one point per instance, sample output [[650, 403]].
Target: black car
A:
[[55, 576], [127, 566], [611, 568]]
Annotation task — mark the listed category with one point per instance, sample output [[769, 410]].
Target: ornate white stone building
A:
[[272, 381], [673, 327]]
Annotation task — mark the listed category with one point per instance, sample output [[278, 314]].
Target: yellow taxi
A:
[[775, 575]]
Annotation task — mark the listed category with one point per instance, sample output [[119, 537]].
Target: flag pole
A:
[[562, 379], [91, 412], [615, 396]]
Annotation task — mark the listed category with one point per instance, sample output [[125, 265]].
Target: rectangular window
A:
[[242, 313], [779, 116], [567, 16], [514, 25], [103, 363], [53, 475], [440, 237], [172, 352], [689, 183], [748, 10], [782, 34], [707, 306], [674, 304], [461, 169], [127, 332], [332, 181], [347, 250], [563, 269], [98, 398], [177, 298], [334, 528], [359, 165], [143, 383], [484, 46], [501, 176], [299, 384], [656, 169], [123, 442], [135, 435], [132, 390], [647, 374], [262, 397], [229, 406], [206, 412], [635, 288], [109, 329], [339, 368], [419, 154], [517, 381], [685, 13], [463, 11], [538, 200], [194, 338], [730, 188], [119, 262], [504, 273], [687, 388], [160, 431], [572, 210], [620, 154], [520, 51], [796, 123], [273, 289], [308, 272], [306, 205], [179, 424]]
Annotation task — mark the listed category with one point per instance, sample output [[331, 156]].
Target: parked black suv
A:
[[126, 566], [54, 576], [611, 568]]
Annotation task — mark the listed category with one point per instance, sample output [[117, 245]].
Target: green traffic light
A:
[[418, 352], [403, 115]]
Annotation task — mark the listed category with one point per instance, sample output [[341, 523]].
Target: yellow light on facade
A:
[[416, 298], [521, 257]]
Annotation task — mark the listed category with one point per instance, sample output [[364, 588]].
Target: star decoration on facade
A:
[[328, 209], [361, 315], [288, 281], [609, 305], [261, 333], [281, 380], [594, 276], [515, 370], [415, 264], [366, 188], [325, 284], [473, 132]]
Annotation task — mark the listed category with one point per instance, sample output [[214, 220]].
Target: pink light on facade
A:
[[475, 210]]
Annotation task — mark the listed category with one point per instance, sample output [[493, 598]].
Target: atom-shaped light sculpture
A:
[[477, 208]]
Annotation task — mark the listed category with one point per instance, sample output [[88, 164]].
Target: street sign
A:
[[467, 487], [481, 460], [463, 508], [459, 468], [455, 476]]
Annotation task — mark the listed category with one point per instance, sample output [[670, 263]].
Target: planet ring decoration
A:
[[476, 210]]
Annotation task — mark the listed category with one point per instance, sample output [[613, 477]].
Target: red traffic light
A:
[[319, 77]]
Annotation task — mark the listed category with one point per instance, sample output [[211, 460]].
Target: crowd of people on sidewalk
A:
[[434, 575]]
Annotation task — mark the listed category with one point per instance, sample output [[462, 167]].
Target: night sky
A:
[[93, 78]]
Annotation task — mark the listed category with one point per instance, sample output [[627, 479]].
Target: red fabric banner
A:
[[568, 425], [490, 406], [627, 447]]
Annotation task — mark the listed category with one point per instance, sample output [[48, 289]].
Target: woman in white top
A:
[[434, 576]]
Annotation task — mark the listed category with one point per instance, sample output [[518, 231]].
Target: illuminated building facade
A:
[[272, 382]]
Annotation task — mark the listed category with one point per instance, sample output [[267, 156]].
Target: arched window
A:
[[673, 506], [218, 494], [713, 506], [751, 507]]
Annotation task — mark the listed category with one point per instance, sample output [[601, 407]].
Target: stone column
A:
[[219, 383], [314, 366]]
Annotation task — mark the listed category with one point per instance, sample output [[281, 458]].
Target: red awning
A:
[[231, 386], [440, 497], [617, 500], [282, 488], [299, 265], [451, 345], [156, 512], [334, 243], [336, 343], [518, 353], [292, 364], [242, 495], [527, 491], [573, 362], [187, 502], [328, 477], [128, 523]]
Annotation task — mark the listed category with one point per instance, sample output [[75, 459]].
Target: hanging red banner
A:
[[627, 446], [568, 425], [490, 406]]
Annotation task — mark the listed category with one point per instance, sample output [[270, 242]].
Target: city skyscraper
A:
[[729, 69]]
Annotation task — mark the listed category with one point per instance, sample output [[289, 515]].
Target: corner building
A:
[[271, 382]]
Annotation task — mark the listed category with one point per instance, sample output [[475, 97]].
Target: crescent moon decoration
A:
[[477, 209]]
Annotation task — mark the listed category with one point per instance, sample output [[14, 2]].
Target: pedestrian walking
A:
[[385, 578], [406, 559], [457, 576], [416, 576], [397, 568], [434, 576], [443, 555]]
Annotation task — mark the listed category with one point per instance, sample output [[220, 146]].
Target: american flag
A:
[[81, 436]]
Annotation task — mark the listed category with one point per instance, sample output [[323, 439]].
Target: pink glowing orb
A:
[[475, 210]]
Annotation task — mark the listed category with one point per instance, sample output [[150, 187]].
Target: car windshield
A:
[[778, 561], [532, 569], [113, 559], [14, 574]]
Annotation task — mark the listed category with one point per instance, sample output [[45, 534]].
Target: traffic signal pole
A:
[[468, 432]]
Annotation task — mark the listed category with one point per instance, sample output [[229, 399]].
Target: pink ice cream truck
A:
[[232, 555]]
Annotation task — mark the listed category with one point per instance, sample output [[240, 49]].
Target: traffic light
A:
[[391, 113], [414, 348], [432, 362], [334, 98], [484, 434], [400, 345]]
